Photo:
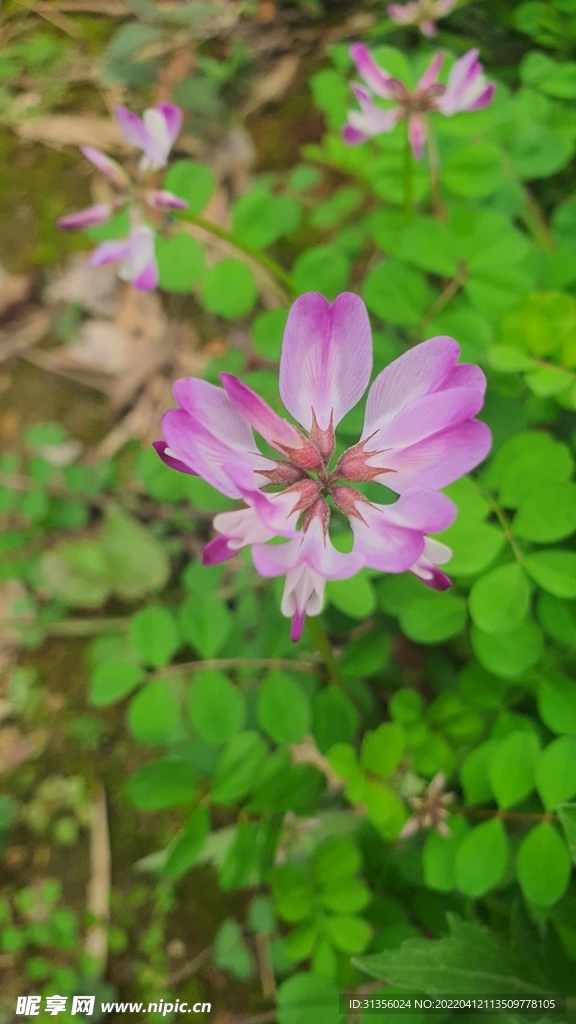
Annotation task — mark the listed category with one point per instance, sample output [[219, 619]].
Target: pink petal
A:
[[438, 460], [170, 460], [430, 76], [212, 409], [276, 431], [132, 127], [90, 217], [426, 567], [382, 544], [403, 14], [376, 78], [418, 372], [424, 417], [106, 166], [164, 200], [484, 99], [428, 28], [110, 252], [466, 87], [423, 510], [326, 358], [147, 278], [173, 117], [242, 528], [352, 136], [216, 551], [417, 135]]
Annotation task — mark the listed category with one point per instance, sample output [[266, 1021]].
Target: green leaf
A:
[[205, 623], [396, 293], [229, 289], [567, 815], [474, 546], [474, 773], [321, 268], [472, 959], [366, 655], [259, 217], [355, 597], [556, 772], [548, 514], [180, 262], [512, 766], [154, 714], [557, 704], [480, 688], [558, 618], [474, 170], [183, 853], [349, 933], [382, 750], [406, 706], [136, 563], [306, 997], [75, 572], [238, 767], [543, 865], [554, 571], [499, 600], [112, 681], [293, 893], [481, 858], [507, 359], [283, 709], [231, 953], [525, 461], [267, 332], [509, 654], [384, 808], [162, 783], [434, 617], [217, 707], [537, 152], [346, 896], [154, 635], [191, 181], [439, 854], [429, 244], [334, 718]]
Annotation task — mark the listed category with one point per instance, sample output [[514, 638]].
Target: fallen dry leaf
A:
[[14, 288], [272, 86], [96, 289], [74, 130], [33, 328]]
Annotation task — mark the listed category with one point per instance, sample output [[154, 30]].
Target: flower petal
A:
[[426, 567], [376, 78], [418, 372], [132, 127], [326, 358], [161, 199], [106, 165], [110, 252], [170, 459], [90, 217], [173, 119], [383, 543], [424, 417], [430, 76], [417, 135], [437, 461], [277, 431]]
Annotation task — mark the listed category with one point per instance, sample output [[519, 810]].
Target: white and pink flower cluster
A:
[[421, 13], [466, 90], [419, 435], [154, 134]]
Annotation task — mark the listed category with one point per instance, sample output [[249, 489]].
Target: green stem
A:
[[407, 179], [434, 165], [261, 258], [321, 642]]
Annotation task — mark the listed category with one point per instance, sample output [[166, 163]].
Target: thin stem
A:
[[265, 261], [434, 165], [478, 812], [211, 664], [451, 289], [407, 178], [321, 642], [535, 222], [506, 527]]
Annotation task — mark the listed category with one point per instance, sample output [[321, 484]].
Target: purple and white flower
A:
[[466, 90], [154, 134], [419, 435], [422, 13]]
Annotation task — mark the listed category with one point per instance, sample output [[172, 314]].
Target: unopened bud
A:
[[347, 500], [284, 474], [323, 440]]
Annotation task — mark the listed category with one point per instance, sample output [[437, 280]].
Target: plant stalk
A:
[[407, 179], [271, 266], [321, 642]]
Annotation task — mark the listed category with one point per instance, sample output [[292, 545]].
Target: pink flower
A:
[[422, 13], [135, 255], [419, 435], [467, 89], [154, 134]]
